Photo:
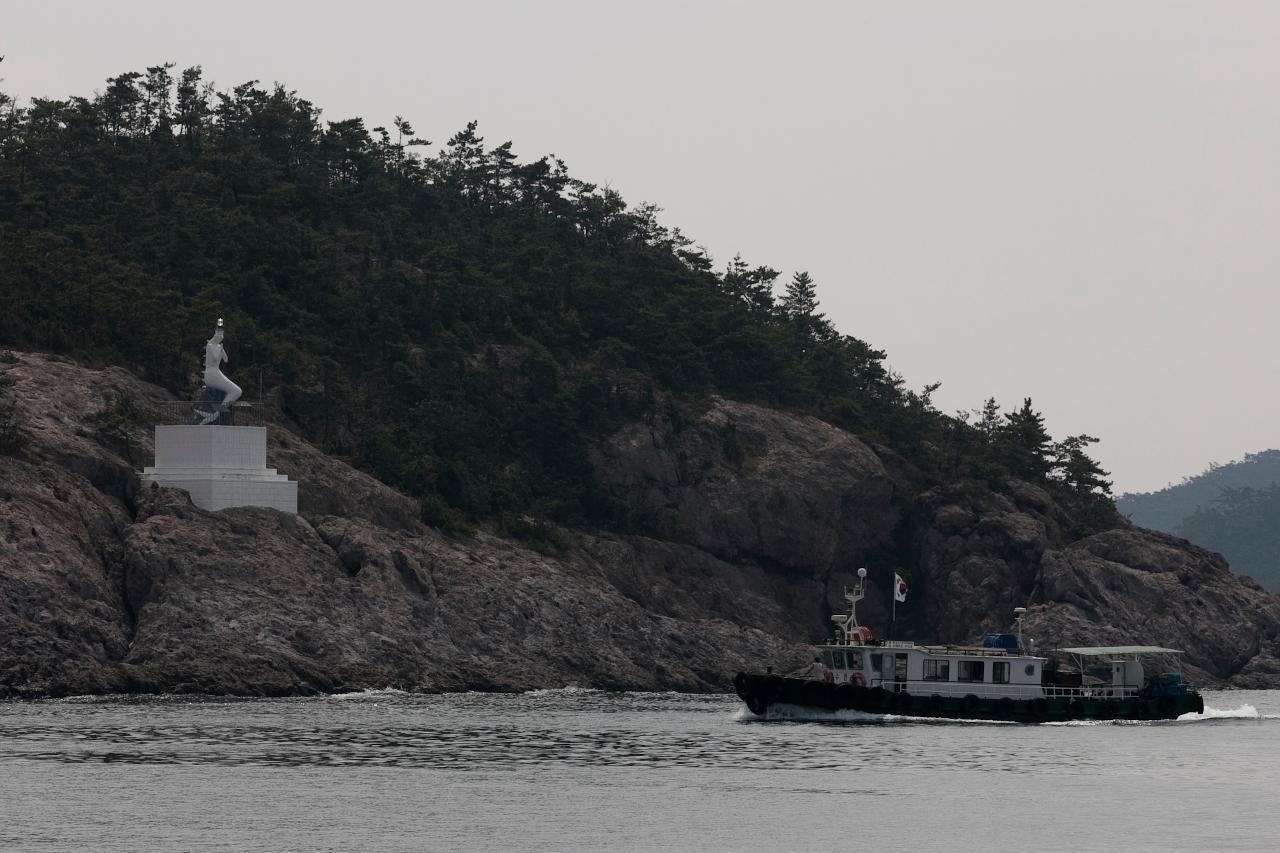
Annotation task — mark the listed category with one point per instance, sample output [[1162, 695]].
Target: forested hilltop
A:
[[1232, 509], [463, 324]]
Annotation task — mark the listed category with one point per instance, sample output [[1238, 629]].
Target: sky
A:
[[1071, 201]]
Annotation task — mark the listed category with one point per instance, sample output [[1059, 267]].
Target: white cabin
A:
[[997, 669], [936, 670]]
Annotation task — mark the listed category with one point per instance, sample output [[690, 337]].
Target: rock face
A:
[[742, 480], [756, 520], [1121, 583], [979, 555], [748, 484], [982, 554], [106, 587]]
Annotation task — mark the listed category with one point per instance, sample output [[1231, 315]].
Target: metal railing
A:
[[1094, 691], [194, 413], [987, 689]]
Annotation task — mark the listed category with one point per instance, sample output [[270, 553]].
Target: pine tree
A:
[[799, 308], [1027, 441], [1075, 470], [988, 420], [753, 286], [192, 104], [155, 104], [800, 301]]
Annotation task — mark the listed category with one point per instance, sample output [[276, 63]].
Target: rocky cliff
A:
[[754, 521]]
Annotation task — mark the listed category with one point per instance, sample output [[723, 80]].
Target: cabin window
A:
[[971, 670], [877, 663], [937, 670], [1031, 670], [1000, 672], [838, 658]]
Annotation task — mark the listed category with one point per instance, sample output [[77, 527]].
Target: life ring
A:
[[856, 678], [829, 677]]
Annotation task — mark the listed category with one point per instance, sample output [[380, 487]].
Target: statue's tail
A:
[[211, 405]]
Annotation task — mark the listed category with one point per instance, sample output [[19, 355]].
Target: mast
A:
[[847, 624]]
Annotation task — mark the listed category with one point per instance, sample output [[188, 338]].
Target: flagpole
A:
[[893, 620]]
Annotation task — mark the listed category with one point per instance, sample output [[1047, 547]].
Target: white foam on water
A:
[[794, 713], [1244, 712], [896, 718], [369, 693], [560, 691]]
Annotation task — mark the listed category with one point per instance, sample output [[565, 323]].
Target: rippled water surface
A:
[[581, 770]]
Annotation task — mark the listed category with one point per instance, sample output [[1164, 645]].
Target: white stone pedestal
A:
[[221, 467]]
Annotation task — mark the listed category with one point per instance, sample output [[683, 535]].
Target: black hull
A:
[[761, 691]]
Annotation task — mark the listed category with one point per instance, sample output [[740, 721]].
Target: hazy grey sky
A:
[[1072, 201]]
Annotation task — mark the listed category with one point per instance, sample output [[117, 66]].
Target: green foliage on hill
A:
[[1232, 509], [462, 324], [1241, 525], [1166, 509]]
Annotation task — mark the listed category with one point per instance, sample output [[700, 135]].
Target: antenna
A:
[[848, 624], [859, 591], [1018, 613]]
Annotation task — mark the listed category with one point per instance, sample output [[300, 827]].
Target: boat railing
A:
[[1017, 691], [1093, 691]]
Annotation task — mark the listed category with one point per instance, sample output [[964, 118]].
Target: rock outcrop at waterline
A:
[[757, 520]]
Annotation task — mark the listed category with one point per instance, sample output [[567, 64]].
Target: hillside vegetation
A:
[[1166, 509], [1232, 509], [463, 324]]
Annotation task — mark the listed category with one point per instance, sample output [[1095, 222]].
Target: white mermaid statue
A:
[[210, 408]]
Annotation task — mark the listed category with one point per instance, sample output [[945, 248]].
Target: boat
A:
[[999, 678]]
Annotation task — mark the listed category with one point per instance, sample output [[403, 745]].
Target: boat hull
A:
[[776, 697]]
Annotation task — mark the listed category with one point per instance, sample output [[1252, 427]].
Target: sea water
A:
[[577, 770]]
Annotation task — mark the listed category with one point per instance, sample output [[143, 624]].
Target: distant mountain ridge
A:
[[1232, 509]]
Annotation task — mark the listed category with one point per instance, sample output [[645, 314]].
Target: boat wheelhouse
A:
[[998, 679]]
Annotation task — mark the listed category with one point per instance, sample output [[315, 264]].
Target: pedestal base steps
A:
[[220, 467]]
